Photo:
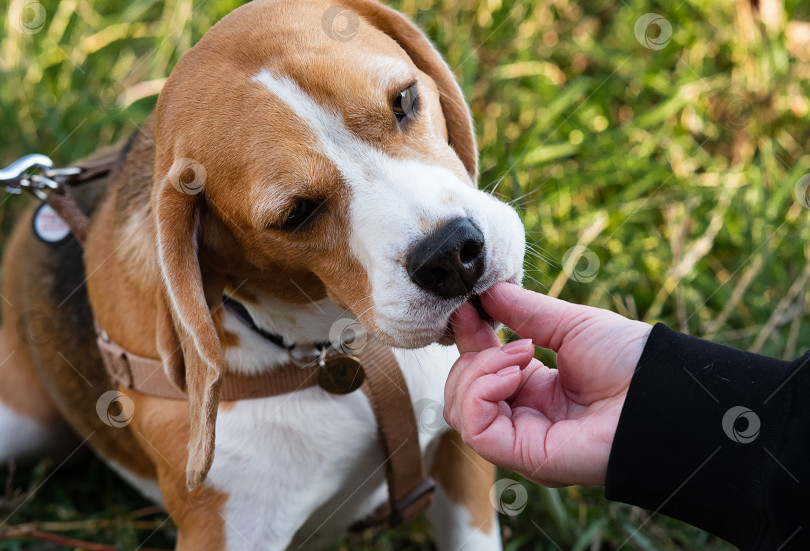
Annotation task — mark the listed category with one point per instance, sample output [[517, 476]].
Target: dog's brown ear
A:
[[460, 132], [168, 344], [176, 203]]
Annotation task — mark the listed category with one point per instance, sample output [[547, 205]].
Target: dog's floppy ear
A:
[[460, 132], [176, 203]]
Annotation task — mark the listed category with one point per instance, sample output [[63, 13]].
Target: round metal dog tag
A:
[[49, 226], [341, 374]]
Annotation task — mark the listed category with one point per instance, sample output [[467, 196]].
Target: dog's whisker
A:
[[524, 196]]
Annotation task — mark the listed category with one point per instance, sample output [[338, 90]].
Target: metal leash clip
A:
[[36, 174]]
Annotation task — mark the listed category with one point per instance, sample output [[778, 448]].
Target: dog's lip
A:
[[475, 300]]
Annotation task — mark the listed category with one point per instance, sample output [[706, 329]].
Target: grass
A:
[[658, 183]]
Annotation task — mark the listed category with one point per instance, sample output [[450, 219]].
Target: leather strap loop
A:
[[66, 207], [413, 503], [144, 375]]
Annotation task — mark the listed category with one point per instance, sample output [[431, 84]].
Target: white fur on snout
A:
[[387, 219], [391, 199]]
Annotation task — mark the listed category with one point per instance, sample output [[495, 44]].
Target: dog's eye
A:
[[405, 103], [301, 214]]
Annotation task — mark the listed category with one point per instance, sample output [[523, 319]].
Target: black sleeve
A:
[[718, 438]]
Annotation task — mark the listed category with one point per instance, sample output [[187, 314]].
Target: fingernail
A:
[[517, 347], [506, 371]]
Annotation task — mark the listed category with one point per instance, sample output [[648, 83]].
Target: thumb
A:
[[472, 334]]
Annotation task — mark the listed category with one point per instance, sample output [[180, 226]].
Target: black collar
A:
[[239, 309]]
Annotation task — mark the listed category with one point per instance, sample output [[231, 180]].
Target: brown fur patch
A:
[[59, 371], [21, 389], [466, 478], [227, 406], [227, 338], [162, 428]]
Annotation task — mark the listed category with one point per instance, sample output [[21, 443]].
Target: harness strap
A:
[[65, 206], [409, 489], [146, 375], [96, 168]]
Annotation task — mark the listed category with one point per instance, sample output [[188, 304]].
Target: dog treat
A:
[[475, 300]]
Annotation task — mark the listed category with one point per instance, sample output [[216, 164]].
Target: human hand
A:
[[553, 426]]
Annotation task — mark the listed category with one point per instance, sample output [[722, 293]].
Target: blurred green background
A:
[[656, 173]]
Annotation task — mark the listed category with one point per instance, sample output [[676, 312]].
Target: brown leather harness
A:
[[409, 489]]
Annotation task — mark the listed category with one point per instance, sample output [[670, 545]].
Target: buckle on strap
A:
[[399, 508], [115, 359]]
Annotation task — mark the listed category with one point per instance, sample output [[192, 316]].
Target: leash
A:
[[374, 370], [35, 173]]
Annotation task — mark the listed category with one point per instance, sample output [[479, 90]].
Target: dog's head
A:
[[327, 146]]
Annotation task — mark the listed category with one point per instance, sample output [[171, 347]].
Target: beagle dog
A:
[[309, 176]]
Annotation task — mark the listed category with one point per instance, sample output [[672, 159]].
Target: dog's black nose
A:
[[449, 261]]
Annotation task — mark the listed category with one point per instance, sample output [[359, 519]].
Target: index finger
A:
[[544, 319]]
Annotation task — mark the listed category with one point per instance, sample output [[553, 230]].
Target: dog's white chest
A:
[[316, 456]]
